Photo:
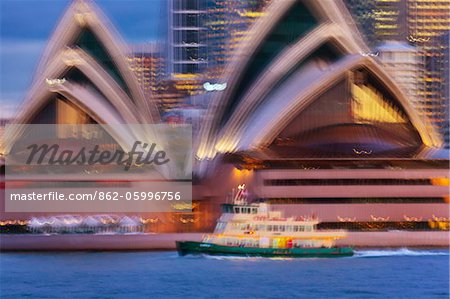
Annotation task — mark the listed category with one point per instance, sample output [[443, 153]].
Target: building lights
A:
[[369, 54], [346, 219], [415, 39], [214, 87], [53, 82], [414, 219], [362, 152], [379, 219]]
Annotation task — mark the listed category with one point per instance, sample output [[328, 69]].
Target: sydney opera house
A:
[[306, 121]]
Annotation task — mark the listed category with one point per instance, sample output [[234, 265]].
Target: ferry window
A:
[[275, 228], [254, 211], [308, 228], [289, 228], [269, 228], [295, 228], [236, 210], [282, 228], [247, 210], [301, 228]]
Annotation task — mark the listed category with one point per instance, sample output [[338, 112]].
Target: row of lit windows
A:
[[431, 13], [364, 200], [386, 26], [430, 27], [428, 1], [188, 20], [332, 182], [186, 68]]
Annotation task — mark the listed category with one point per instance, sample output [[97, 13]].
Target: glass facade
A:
[[188, 51]]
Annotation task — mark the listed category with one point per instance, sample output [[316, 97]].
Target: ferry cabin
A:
[[254, 225]]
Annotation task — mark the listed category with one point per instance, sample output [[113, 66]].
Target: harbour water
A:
[[397, 273]]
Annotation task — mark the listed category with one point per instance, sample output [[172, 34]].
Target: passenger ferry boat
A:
[[255, 230]]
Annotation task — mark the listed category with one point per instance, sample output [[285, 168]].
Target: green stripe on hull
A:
[[188, 247]]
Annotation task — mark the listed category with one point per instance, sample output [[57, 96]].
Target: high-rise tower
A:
[[228, 23], [187, 37], [428, 25], [424, 24]]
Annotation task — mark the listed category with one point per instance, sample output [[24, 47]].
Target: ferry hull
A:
[[196, 248]]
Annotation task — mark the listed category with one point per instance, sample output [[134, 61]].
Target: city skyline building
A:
[[446, 84], [428, 25], [147, 62], [390, 20], [363, 13], [317, 127], [203, 35], [403, 62], [424, 24]]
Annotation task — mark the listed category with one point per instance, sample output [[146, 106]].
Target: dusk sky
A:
[[26, 25]]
